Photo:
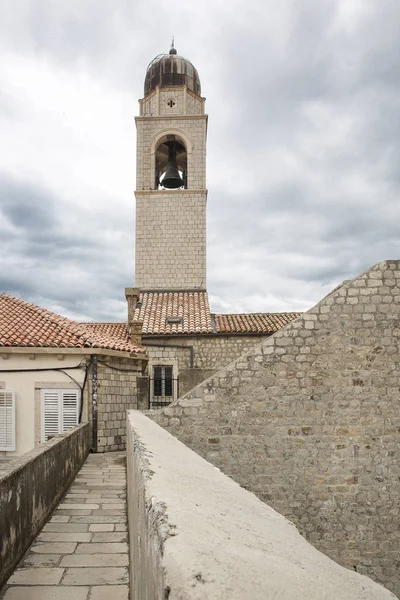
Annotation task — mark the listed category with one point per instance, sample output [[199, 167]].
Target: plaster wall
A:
[[199, 535], [27, 385], [308, 420]]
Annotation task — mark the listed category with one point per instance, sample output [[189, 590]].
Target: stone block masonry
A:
[[171, 240], [117, 392], [30, 488], [308, 420], [210, 353], [193, 127], [82, 552], [196, 534]]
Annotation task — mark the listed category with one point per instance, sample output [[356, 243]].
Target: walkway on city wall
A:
[[82, 552], [194, 533]]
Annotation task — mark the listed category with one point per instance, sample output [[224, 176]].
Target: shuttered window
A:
[[7, 421], [59, 411]]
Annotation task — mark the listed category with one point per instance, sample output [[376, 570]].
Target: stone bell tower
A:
[[171, 192]]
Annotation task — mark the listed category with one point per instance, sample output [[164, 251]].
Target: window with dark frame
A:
[[163, 382]]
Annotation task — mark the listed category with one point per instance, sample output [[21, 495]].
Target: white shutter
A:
[[50, 413], [70, 408], [7, 421], [60, 411]]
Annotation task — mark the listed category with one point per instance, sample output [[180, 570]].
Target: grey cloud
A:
[[303, 147], [71, 269]]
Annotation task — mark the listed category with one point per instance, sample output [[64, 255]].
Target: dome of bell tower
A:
[[171, 69]]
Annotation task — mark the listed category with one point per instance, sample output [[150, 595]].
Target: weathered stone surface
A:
[[54, 548], [36, 576], [102, 548], [85, 506], [59, 519], [116, 536], [308, 421], [114, 592], [59, 559], [101, 527], [117, 393], [98, 519], [46, 593], [64, 537], [95, 560], [65, 528], [96, 576], [44, 474], [40, 560], [72, 513], [200, 535]]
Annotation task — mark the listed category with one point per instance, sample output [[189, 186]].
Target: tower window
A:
[[171, 163], [171, 103]]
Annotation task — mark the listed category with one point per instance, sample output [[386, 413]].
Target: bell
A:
[[172, 179]]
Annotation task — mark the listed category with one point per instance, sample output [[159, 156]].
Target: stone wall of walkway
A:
[[82, 552], [116, 393], [309, 421], [196, 534], [31, 487]]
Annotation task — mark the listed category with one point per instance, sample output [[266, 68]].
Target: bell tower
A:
[[171, 192]]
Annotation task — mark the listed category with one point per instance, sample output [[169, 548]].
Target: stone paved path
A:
[[82, 552]]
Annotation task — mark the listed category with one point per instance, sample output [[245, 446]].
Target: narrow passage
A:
[[82, 552]]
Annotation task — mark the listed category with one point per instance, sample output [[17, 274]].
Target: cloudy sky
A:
[[303, 98]]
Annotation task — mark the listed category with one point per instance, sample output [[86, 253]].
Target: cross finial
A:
[[172, 50]]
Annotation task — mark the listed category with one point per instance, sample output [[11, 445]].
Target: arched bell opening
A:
[[170, 163]]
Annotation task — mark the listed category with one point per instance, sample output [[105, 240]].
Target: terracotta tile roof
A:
[[113, 329], [188, 313], [253, 322], [189, 310], [26, 325]]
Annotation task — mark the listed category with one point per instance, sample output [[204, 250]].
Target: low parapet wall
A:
[[196, 534], [31, 487]]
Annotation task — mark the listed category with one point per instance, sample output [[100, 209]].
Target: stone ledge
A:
[[202, 535], [30, 488]]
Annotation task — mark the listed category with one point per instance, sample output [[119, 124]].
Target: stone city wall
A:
[[309, 421], [117, 392], [210, 353], [198, 534], [31, 486]]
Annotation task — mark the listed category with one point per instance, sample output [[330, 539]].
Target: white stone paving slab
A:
[[81, 553], [96, 576], [108, 592], [36, 576]]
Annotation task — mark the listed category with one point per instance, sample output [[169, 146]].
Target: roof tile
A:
[[26, 325], [192, 308], [261, 323]]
